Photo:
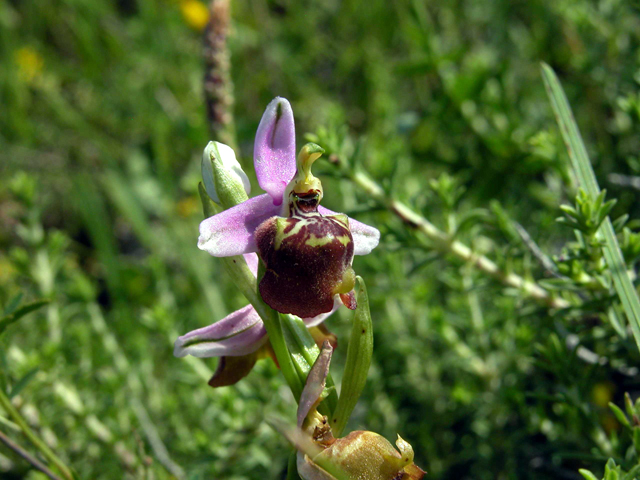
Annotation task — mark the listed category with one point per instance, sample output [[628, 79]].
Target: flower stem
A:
[[33, 438], [27, 456], [445, 244]]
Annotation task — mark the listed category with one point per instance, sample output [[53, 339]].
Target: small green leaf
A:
[[587, 474], [13, 304], [23, 382], [21, 312], [358, 361], [632, 474], [628, 404], [616, 320], [611, 470], [636, 438], [619, 222], [208, 207], [622, 418]]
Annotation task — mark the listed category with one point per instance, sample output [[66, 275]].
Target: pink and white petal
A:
[[318, 319], [240, 333], [252, 262], [231, 231], [316, 380], [365, 237], [274, 151]]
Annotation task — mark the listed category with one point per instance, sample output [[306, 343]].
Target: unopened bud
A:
[[223, 177]]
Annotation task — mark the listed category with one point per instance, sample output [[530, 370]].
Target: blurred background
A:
[[102, 126]]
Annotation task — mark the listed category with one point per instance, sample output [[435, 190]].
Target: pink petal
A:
[[252, 262], [239, 333], [274, 152], [231, 231], [365, 238], [315, 382], [318, 319]]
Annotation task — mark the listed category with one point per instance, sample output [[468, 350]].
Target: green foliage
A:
[[357, 364], [101, 135]]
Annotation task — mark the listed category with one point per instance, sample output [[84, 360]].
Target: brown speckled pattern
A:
[[300, 278]]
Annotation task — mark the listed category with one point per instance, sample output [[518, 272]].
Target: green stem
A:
[[33, 438], [292, 468], [445, 244], [27, 456], [276, 337]]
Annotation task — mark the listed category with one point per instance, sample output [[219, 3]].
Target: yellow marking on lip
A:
[[347, 282], [281, 225], [314, 241], [340, 218]]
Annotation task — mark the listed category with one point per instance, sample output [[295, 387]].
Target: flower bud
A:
[[361, 455], [223, 177]]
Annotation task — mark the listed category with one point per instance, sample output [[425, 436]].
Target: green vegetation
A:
[[504, 340]]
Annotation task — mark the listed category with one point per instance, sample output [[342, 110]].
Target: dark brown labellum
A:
[[308, 260]]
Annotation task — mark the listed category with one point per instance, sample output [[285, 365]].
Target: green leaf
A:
[[587, 474], [209, 208], [292, 467], [616, 320], [636, 438], [13, 304], [23, 382], [632, 474], [358, 361], [611, 470], [21, 312], [622, 418], [587, 179], [628, 405]]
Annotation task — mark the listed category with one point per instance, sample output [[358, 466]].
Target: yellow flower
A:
[[29, 63], [602, 393], [187, 207], [195, 13]]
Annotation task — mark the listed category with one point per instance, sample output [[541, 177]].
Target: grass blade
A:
[[21, 312], [23, 382], [587, 180]]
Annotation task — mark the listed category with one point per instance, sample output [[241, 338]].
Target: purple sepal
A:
[[240, 333], [231, 231], [315, 382], [274, 153], [365, 237]]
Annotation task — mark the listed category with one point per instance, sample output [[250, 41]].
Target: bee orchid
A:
[[307, 250]]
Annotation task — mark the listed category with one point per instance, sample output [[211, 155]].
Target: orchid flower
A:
[[307, 249]]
